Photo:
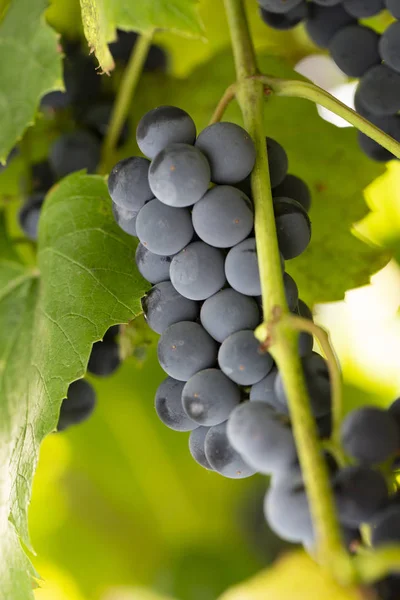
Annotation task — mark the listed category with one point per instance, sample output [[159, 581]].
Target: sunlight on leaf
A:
[[296, 575]]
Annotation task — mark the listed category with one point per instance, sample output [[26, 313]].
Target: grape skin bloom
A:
[[223, 217], [179, 175], [197, 272], [184, 349], [163, 229]]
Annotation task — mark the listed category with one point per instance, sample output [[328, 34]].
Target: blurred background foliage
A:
[[120, 511]]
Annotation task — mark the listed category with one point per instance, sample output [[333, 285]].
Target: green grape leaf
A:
[[296, 575], [101, 18], [326, 157], [30, 67], [50, 315], [382, 224]]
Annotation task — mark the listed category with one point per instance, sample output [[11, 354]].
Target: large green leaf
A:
[[327, 157], [101, 18], [84, 282], [30, 67]]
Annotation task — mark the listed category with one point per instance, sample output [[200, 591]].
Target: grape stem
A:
[[223, 104], [310, 91], [374, 565], [124, 97], [284, 343], [335, 375]]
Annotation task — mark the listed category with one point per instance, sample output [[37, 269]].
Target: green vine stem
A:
[[374, 565], [223, 104], [335, 375], [284, 342], [125, 94], [310, 91]]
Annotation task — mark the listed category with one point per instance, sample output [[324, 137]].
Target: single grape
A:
[[229, 150], [393, 7], [389, 124], [163, 229], [277, 161], [197, 272], [111, 333], [104, 358], [291, 291], [317, 381], [379, 91], [196, 446], [42, 176], [389, 46], [279, 6], [29, 215], [168, 405], [293, 227], [184, 349], [359, 493], [287, 20], [324, 21], [241, 268], [223, 217], [304, 310], [287, 511], [264, 391], [54, 101], [163, 126], [262, 437], [294, 188], [306, 340], [153, 267], [370, 435], [128, 183], [222, 457], [78, 405], [163, 306], [385, 527], [227, 312], [372, 149], [126, 219], [362, 9], [240, 358], [97, 119], [74, 151], [209, 397], [179, 175], [355, 49]]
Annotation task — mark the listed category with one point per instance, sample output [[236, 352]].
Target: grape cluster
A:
[[358, 50], [89, 106], [189, 203]]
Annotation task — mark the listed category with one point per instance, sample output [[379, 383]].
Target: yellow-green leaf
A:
[[102, 17], [297, 576], [95, 29]]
